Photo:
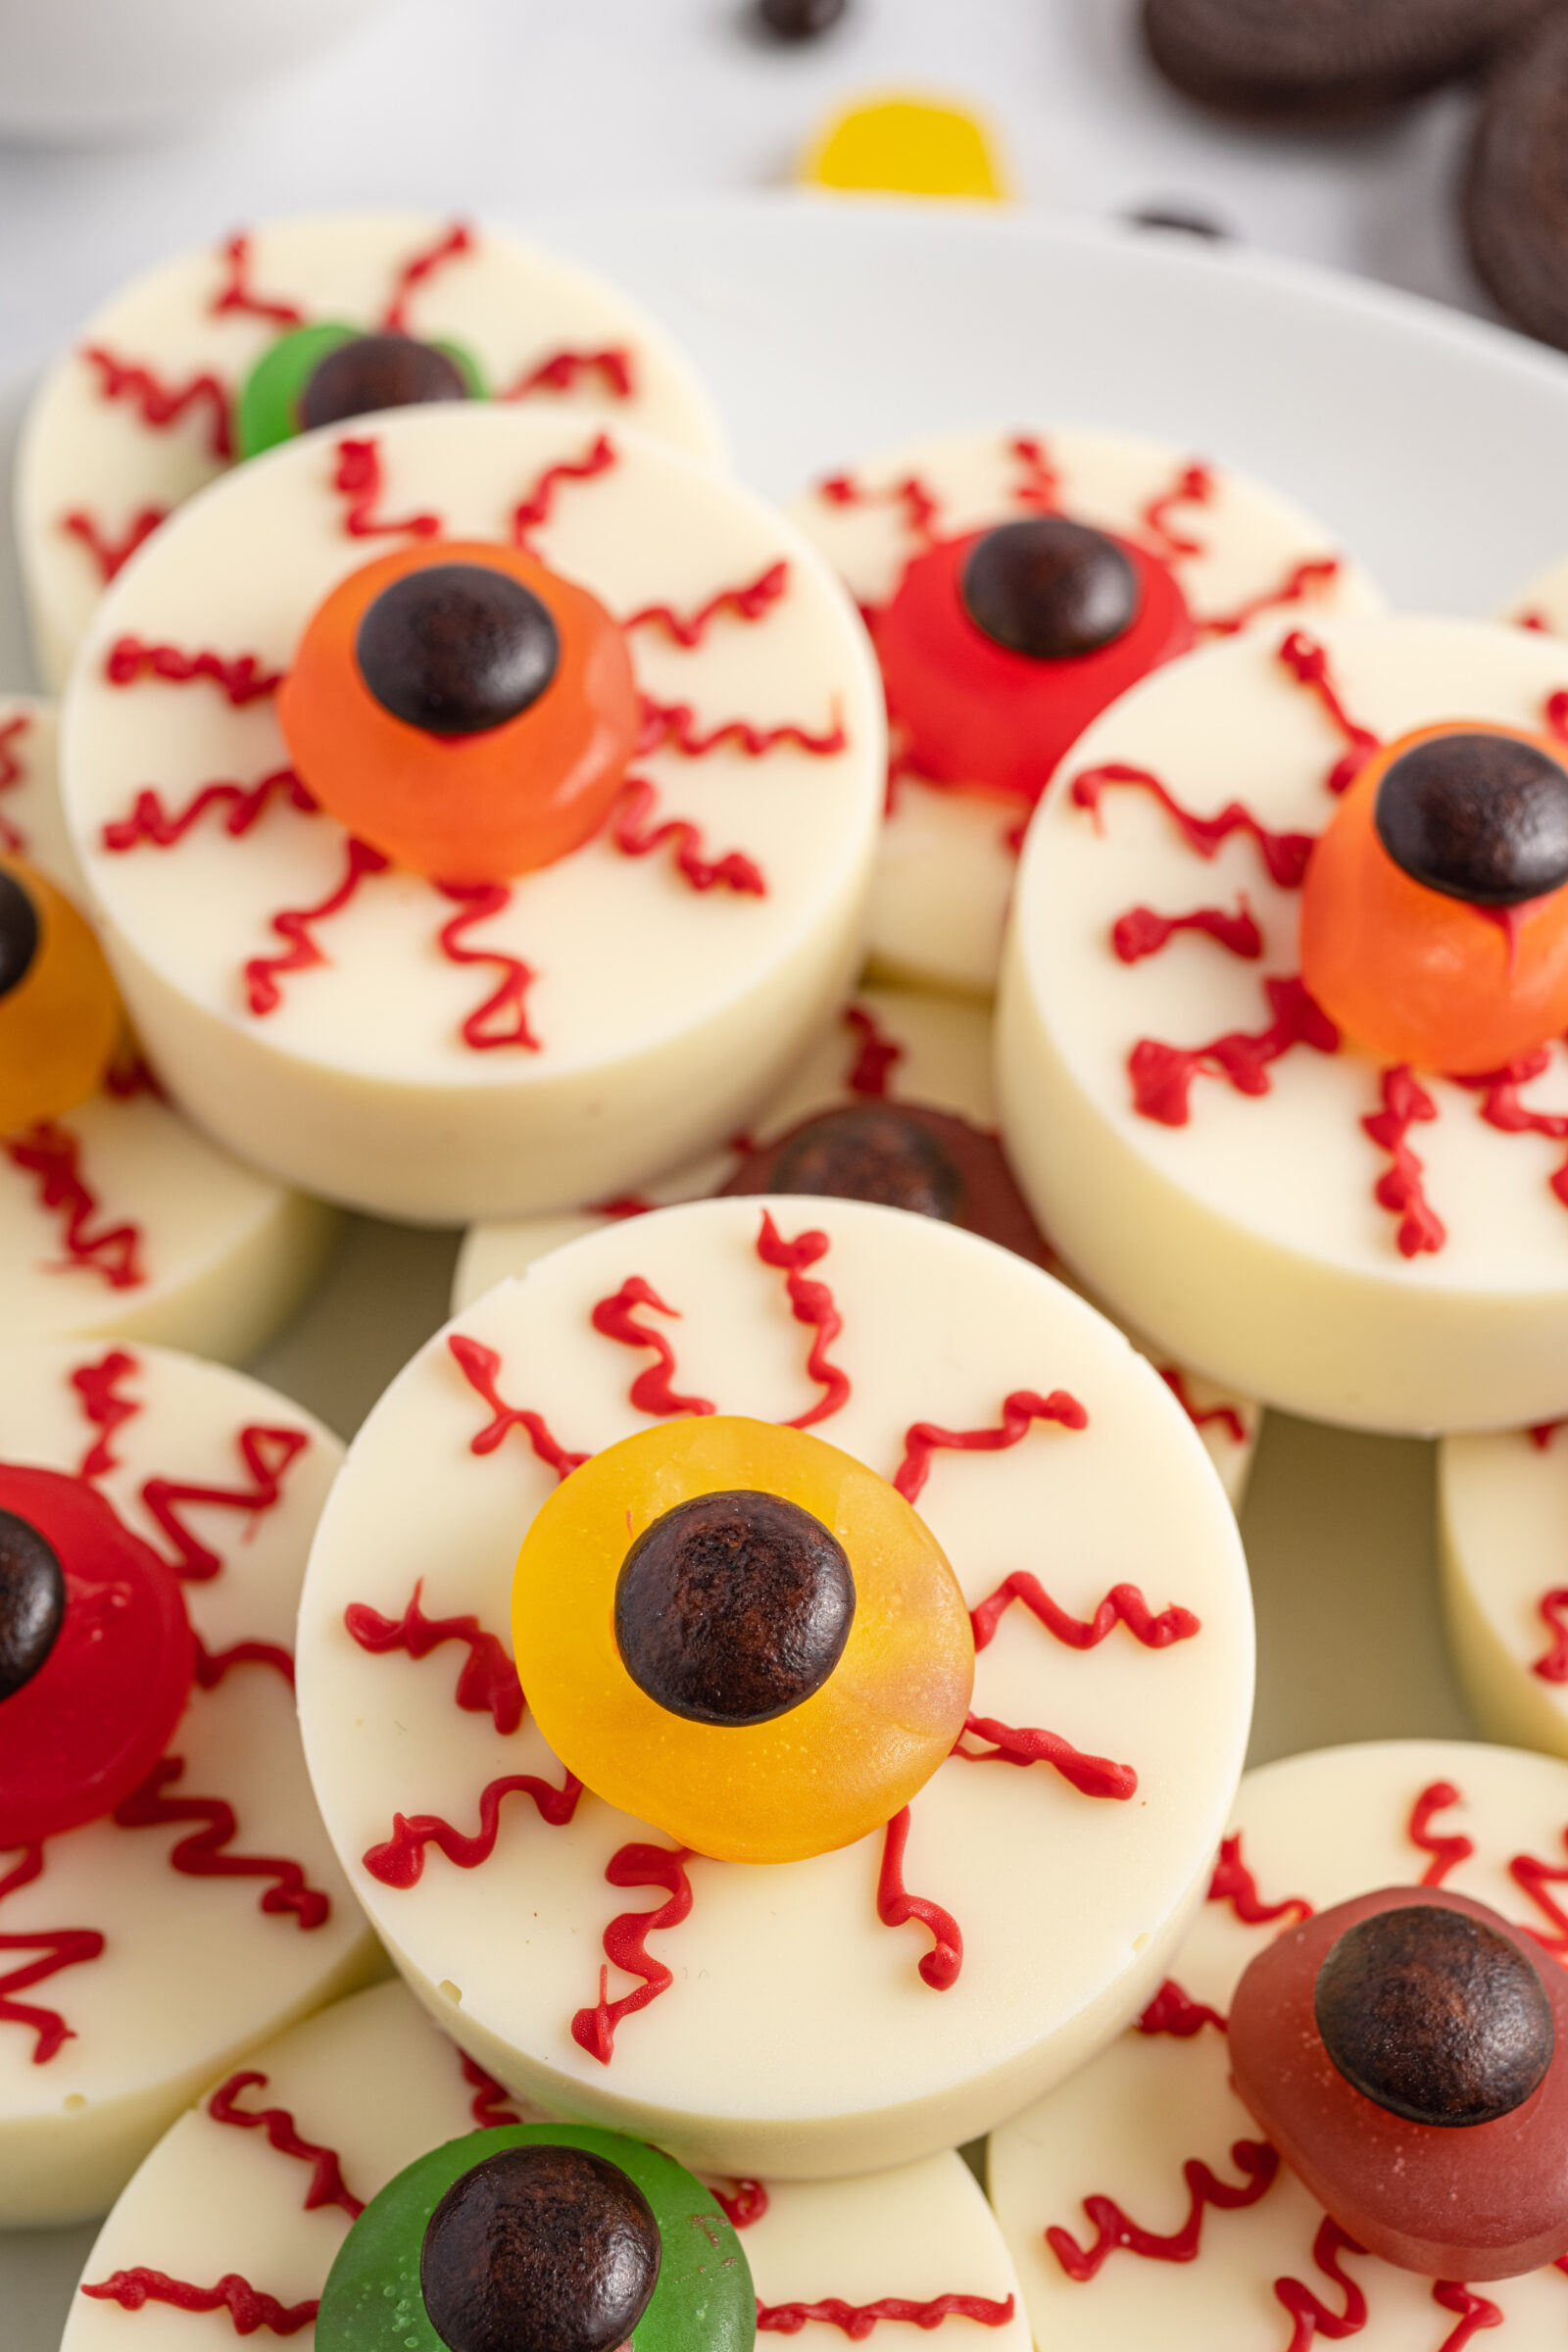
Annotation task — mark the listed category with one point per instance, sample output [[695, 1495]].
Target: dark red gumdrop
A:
[[733, 1607], [33, 1601], [88, 1725], [1451, 2199], [456, 649], [540, 2250], [1477, 815], [1050, 588], [378, 372], [19, 932]]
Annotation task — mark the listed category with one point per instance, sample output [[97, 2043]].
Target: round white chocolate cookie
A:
[[1236, 550], [1153, 2139], [143, 411], [258, 2185], [1502, 1503], [440, 1053], [143, 1951], [783, 2025], [1264, 1198], [899, 1044], [1542, 604], [31, 822]]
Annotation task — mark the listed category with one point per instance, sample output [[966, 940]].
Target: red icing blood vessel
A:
[[1467, 2200], [974, 711], [91, 1723]]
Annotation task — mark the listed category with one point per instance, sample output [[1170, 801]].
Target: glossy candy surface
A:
[[60, 1016], [327, 372], [833, 1768]]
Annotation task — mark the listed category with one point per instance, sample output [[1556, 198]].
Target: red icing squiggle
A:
[[923, 1439], [62, 1947], [1401, 1190], [1173, 2011], [1553, 1665], [625, 1941], [1234, 1884], [1311, 2314], [1308, 664], [857, 2320], [358, 479], [1447, 1852], [238, 294], [1194, 486], [507, 1003], [1474, 2312], [400, 1861], [214, 1666], [812, 1303], [1123, 1604], [876, 1056], [293, 923], [613, 1319], [246, 2306], [747, 2202], [674, 726], [895, 1906], [53, 1156], [1115, 2232], [919, 505], [162, 405], [202, 1855], [97, 1386], [615, 368], [240, 678], [1284, 854], [1024, 1744], [538, 505], [479, 1366], [1038, 485], [749, 603], [487, 1681], [489, 2105], [1298, 583], [109, 554], [1162, 1075], [1203, 1417], [1532, 1877], [1500, 1107], [246, 805], [267, 1454], [634, 837], [12, 773], [327, 2184], [1141, 932], [413, 273]]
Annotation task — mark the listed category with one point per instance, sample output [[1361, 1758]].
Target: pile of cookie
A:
[[474, 806]]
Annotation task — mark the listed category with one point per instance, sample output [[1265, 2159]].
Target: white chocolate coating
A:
[[942, 1058], [1250, 1239], [372, 2080], [32, 825], [192, 1972], [1327, 1826], [662, 1014], [798, 2040], [1503, 1502], [511, 307], [946, 859], [1542, 604]]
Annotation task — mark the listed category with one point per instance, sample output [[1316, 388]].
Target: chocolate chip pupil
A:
[[377, 371], [1476, 816], [1433, 2015], [869, 1152], [19, 932], [733, 1608], [457, 648], [540, 2250], [33, 1601], [1050, 588]]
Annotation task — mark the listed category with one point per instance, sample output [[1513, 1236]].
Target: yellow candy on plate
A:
[[906, 147]]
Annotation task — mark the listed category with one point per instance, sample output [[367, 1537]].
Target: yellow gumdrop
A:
[[829, 1770], [906, 147], [60, 1016]]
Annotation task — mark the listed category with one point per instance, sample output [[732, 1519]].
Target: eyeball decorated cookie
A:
[[485, 819], [362, 2176], [894, 1103], [221, 353], [1014, 584], [1503, 1502], [659, 1640], [168, 1893], [1279, 1036], [1345, 2113]]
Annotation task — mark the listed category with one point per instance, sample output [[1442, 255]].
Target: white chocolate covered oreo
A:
[[1222, 550], [142, 1950], [1503, 1502], [879, 2000], [145, 409]]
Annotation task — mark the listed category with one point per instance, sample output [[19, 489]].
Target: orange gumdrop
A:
[[473, 808], [59, 1012], [1413, 974], [828, 1770]]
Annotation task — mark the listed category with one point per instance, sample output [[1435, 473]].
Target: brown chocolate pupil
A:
[[540, 2250], [1050, 588], [1478, 817], [19, 932], [733, 1607], [33, 1601], [1433, 2015], [457, 648], [871, 1151], [377, 371]]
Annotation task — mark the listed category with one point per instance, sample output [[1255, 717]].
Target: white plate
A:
[[1431, 442]]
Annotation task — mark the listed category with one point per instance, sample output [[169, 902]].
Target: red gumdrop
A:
[[91, 1725], [973, 711], [1487, 2200]]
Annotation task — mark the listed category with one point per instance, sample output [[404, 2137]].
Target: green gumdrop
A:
[[704, 2301], [268, 407]]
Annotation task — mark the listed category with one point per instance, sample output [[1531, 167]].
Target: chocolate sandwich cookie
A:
[[1516, 190], [1322, 61]]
